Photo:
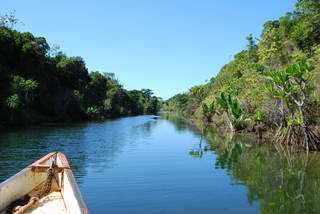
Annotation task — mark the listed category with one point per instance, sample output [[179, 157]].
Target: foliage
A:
[[208, 110], [23, 92], [92, 110], [259, 116], [72, 71], [233, 108], [252, 49], [35, 78], [290, 85], [8, 20], [278, 72], [13, 102]]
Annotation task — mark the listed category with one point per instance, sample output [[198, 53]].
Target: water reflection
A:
[[179, 123], [280, 180], [106, 140], [144, 129], [200, 149], [281, 183]]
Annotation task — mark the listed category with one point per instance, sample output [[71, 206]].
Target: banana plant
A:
[[232, 107]]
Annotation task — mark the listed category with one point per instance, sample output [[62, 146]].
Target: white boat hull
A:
[[63, 189]]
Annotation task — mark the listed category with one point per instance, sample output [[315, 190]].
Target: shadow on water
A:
[[279, 183]]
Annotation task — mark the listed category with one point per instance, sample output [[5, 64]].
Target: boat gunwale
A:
[[63, 164], [64, 161]]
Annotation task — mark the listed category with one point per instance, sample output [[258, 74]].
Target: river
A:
[[146, 165]]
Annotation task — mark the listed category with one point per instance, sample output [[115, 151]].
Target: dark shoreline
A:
[[7, 125]]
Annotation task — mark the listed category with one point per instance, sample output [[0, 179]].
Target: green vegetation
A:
[[270, 85], [233, 108], [290, 87], [40, 84]]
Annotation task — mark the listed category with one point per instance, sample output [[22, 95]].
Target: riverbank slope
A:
[[272, 84]]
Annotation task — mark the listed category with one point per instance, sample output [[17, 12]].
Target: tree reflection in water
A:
[[283, 181], [198, 152]]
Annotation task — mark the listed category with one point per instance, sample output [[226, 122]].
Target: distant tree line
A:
[[40, 84]]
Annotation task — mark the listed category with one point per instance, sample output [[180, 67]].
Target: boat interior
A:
[[46, 186]]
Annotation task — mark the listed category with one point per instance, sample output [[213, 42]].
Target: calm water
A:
[[143, 165]]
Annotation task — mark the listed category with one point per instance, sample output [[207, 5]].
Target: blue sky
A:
[[165, 45]]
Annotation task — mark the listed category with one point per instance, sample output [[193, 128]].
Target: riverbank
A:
[[222, 131], [221, 128], [271, 87]]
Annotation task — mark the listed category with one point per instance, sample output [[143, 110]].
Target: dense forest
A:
[[272, 85], [38, 83]]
